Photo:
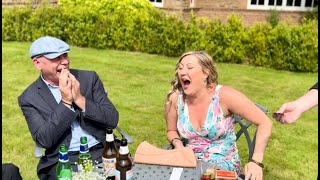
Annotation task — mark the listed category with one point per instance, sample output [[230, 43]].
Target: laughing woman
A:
[[200, 110]]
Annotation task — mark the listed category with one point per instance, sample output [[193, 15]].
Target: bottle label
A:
[[109, 166], [109, 137], [84, 148], [129, 175], [124, 150], [63, 157]]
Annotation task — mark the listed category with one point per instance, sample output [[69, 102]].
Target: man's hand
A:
[[78, 99], [290, 112], [65, 86]]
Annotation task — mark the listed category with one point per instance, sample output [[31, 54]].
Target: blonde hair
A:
[[206, 63]]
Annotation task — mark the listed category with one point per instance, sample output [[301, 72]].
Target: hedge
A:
[[135, 25]]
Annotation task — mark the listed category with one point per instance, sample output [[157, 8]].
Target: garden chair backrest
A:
[[244, 125]]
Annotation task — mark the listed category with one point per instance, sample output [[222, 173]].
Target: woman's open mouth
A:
[[185, 84]]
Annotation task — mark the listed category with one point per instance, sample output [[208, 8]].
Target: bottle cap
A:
[[123, 142], [109, 131], [63, 148], [83, 140]]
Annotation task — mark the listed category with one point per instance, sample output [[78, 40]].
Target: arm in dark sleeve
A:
[[47, 126], [99, 108], [315, 86]]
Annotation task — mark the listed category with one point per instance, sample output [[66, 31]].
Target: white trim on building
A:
[[283, 5], [157, 3]]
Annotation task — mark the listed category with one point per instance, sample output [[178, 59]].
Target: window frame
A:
[[157, 4], [283, 7], [192, 4]]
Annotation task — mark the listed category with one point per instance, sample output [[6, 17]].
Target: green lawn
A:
[[137, 84]]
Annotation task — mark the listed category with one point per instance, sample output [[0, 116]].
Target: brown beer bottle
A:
[[124, 163], [109, 156]]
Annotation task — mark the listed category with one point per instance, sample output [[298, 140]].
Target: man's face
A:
[[51, 68]]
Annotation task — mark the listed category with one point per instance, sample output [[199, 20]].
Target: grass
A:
[[137, 84]]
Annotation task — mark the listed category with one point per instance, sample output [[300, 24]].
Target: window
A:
[[311, 3], [157, 3], [286, 5]]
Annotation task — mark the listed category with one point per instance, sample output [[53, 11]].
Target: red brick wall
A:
[[176, 4], [249, 17], [224, 8], [220, 4], [11, 3]]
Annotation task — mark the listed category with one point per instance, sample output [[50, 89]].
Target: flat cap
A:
[[49, 47]]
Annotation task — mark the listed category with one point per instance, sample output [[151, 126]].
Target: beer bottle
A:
[[124, 163], [109, 155], [84, 160], [63, 171]]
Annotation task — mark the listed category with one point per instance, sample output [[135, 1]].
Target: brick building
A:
[[251, 11], [11, 3]]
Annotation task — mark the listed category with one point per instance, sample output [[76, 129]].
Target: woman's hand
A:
[[177, 144], [253, 171]]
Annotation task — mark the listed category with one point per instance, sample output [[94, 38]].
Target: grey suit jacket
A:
[[49, 122]]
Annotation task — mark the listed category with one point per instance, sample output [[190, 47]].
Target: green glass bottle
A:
[[84, 161], [63, 171]]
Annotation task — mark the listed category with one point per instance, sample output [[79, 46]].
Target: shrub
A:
[[303, 50], [313, 14], [116, 21], [273, 17], [195, 35], [15, 26], [46, 20], [215, 33], [258, 49], [294, 48], [136, 25], [236, 40]]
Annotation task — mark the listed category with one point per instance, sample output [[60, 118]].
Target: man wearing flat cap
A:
[[64, 104]]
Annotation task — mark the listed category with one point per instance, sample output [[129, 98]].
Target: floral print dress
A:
[[216, 141]]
